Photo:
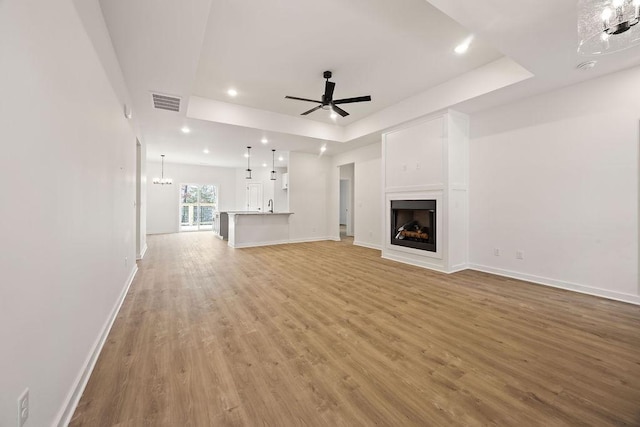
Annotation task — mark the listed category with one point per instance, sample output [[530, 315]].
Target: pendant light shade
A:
[[273, 165], [248, 176], [162, 180]]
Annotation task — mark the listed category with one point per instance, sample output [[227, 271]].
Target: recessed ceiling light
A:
[[280, 158], [461, 48], [333, 115], [232, 92], [264, 165], [205, 151], [185, 129], [264, 140], [245, 155], [464, 46], [323, 148]]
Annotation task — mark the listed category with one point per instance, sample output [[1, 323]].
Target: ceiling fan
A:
[[328, 103]]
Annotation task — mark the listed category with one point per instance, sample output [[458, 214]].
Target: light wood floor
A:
[[329, 334]]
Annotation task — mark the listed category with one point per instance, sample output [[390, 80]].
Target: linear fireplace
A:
[[413, 224]]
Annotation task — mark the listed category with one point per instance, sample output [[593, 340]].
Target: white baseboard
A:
[[154, 232], [604, 293], [459, 267], [258, 244], [367, 245], [141, 254], [71, 402], [312, 239], [281, 242]]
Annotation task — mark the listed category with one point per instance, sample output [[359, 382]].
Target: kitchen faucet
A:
[[270, 205]]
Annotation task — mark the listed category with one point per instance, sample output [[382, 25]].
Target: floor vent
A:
[[166, 102]]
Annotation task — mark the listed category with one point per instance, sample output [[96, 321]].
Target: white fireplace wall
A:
[[428, 159], [414, 156]]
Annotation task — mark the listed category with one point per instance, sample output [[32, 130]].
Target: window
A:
[[197, 204]]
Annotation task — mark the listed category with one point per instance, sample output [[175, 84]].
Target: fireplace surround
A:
[[425, 192]]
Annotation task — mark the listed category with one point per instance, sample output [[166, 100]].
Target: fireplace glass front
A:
[[413, 224]]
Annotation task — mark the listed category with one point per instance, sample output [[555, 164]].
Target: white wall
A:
[[143, 200], [163, 200], [68, 177], [309, 183], [367, 188], [368, 203], [556, 176]]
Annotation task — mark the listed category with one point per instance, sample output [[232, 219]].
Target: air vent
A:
[[166, 102]]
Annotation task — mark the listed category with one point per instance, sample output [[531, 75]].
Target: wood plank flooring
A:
[[328, 334]]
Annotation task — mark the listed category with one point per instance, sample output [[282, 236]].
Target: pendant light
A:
[[162, 180], [273, 165], [248, 163]]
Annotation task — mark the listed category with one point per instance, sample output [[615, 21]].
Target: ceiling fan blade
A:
[[350, 100], [339, 111], [302, 99], [328, 91], [312, 110]]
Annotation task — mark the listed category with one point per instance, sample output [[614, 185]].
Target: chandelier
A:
[[607, 26], [163, 180]]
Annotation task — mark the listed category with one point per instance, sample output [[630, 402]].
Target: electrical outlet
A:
[[370, 233], [519, 255], [23, 407], [418, 166], [496, 252], [404, 168]]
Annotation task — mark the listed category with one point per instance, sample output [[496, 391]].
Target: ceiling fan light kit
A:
[[607, 26], [328, 103]]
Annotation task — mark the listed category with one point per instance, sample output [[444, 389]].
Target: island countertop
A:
[[256, 213]]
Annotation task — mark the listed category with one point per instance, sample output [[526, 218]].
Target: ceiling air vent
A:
[[166, 102]]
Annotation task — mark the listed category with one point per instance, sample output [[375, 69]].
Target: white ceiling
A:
[[268, 49], [399, 52]]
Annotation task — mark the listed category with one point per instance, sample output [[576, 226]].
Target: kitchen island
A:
[[248, 229]]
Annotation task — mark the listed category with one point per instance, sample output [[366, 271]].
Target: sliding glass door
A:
[[197, 204]]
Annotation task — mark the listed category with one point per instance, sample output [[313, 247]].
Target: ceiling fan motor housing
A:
[[327, 98]]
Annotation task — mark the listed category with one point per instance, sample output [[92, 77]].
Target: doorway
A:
[[197, 204], [344, 206], [346, 215]]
